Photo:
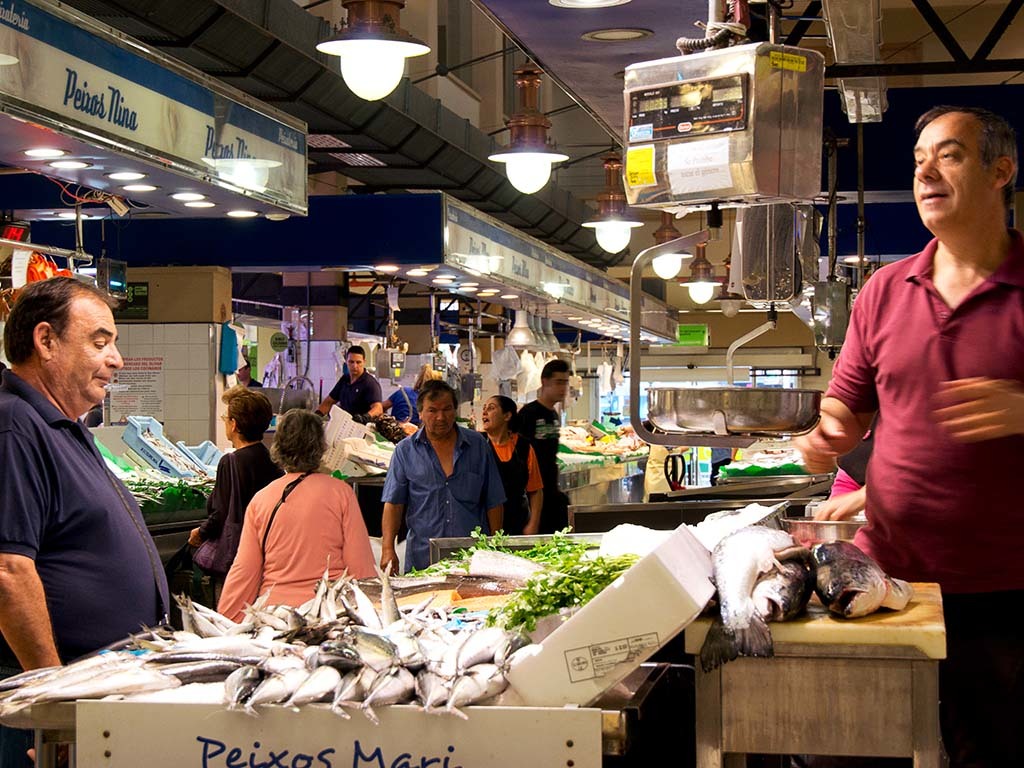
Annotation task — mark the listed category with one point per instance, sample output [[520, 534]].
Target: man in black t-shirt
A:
[[357, 392], [539, 422]]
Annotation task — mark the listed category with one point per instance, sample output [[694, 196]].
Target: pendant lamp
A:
[[521, 336], [373, 47], [529, 154], [613, 226], [702, 283], [667, 265]]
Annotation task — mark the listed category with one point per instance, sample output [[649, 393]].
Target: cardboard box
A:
[[177, 295], [619, 629]]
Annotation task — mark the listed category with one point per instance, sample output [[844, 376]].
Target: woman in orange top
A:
[[517, 464], [297, 526]]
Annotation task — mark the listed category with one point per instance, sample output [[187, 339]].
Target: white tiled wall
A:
[[191, 386]]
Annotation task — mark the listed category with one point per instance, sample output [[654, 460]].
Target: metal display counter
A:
[[666, 515], [619, 482], [627, 727]]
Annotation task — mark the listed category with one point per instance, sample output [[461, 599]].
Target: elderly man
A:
[[78, 570], [935, 346], [443, 479]]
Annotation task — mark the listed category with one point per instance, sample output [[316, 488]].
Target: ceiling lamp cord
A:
[[719, 33]]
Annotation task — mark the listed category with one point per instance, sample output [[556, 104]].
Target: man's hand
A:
[[842, 507], [977, 409], [818, 446], [194, 539], [389, 559]]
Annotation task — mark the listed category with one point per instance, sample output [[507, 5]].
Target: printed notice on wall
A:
[[699, 166], [138, 390]]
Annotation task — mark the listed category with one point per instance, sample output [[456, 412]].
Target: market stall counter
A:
[[863, 688]]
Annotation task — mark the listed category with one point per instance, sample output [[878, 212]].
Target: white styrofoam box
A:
[[619, 629]]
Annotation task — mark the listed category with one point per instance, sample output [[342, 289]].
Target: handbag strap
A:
[[284, 495]]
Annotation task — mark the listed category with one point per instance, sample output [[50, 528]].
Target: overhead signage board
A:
[[77, 76], [479, 243], [693, 335]]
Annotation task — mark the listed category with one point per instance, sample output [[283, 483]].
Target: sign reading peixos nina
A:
[[74, 73]]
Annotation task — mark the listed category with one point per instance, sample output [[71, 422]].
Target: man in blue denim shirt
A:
[[443, 479]]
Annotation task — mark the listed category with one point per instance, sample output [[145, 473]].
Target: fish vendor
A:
[[936, 347], [78, 569]]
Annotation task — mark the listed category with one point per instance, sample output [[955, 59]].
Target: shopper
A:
[[240, 474], [443, 481], [946, 372], [357, 392], [517, 465], [78, 570], [402, 402], [298, 526], [540, 423]]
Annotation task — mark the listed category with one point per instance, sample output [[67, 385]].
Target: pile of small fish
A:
[[337, 649], [763, 575]]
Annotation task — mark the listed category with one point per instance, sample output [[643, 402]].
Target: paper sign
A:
[[19, 268], [695, 335], [699, 166], [640, 166]]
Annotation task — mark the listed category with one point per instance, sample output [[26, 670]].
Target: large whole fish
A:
[[739, 560], [851, 584], [783, 592]]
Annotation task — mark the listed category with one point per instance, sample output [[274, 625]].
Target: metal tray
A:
[[809, 531], [752, 411]]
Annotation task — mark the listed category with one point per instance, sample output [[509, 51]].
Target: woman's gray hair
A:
[[299, 443]]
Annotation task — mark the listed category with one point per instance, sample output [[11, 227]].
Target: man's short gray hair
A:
[[299, 443]]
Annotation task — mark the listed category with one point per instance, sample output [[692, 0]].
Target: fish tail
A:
[[457, 712], [371, 715], [723, 645]]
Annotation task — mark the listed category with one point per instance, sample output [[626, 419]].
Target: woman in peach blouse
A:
[[297, 526]]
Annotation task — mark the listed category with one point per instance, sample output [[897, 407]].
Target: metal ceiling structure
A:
[[409, 141]]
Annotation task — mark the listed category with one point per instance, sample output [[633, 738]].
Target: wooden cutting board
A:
[[920, 625], [450, 598]]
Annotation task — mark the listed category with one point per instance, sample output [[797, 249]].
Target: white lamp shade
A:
[[667, 265], [701, 293], [521, 335], [528, 172], [613, 236], [549, 334], [373, 68]]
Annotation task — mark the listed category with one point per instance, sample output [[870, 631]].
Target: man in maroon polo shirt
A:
[[936, 347]]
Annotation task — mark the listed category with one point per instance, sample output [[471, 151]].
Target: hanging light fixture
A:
[[667, 265], [529, 154], [702, 282], [372, 47], [549, 334], [613, 227], [730, 302], [521, 336]]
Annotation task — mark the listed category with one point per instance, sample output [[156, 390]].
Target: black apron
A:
[[514, 474]]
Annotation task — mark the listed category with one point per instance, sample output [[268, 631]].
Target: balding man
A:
[[78, 569]]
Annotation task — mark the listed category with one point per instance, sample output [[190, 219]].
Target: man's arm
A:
[[838, 432], [325, 407], [390, 522], [24, 618], [496, 517], [376, 409]]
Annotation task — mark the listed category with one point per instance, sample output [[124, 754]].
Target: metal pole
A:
[[860, 195]]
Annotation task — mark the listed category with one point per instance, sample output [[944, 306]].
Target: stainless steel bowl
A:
[[734, 410], [808, 531]]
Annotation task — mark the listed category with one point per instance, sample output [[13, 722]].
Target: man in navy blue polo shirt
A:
[[357, 392], [78, 569]]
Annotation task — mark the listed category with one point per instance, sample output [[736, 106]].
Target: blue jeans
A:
[[14, 742]]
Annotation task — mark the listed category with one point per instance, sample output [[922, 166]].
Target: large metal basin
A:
[[734, 410]]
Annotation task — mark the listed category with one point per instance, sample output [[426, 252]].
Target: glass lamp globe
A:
[[612, 235], [372, 68], [702, 292], [528, 171], [667, 265]]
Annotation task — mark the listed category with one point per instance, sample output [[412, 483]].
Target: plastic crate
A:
[[206, 455], [145, 436]]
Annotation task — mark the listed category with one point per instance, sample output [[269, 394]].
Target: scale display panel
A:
[[694, 107]]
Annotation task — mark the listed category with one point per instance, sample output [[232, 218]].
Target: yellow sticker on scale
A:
[[640, 166], [780, 60]]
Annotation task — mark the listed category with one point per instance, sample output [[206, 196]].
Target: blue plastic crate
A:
[[145, 436], [206, 455]]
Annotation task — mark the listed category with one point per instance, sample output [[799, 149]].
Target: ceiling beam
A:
[[924, 7], [998, 30], [967, 67], [796, 34]]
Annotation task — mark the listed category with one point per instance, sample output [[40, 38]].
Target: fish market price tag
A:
[[123, 734]]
